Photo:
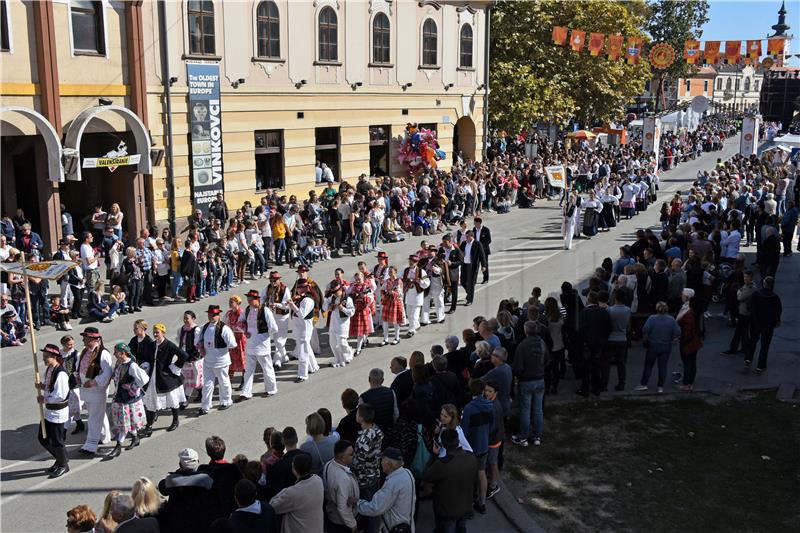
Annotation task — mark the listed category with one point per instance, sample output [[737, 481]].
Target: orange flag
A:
[[775, 46], [733, 49], [754, 49], [596, 42], [560, 35], [615, 47], [633, 51], [577, 40], [712, 52], [691, 52]]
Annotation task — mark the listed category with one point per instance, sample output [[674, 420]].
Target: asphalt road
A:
[[527, 250]]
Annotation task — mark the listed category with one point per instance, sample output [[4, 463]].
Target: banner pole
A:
[[29, 312]]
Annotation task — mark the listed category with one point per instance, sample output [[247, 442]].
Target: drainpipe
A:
[[486, 48], [167, 104]]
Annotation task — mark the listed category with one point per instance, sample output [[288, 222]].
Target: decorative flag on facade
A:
[[691, 52], [754, 49], [633, 50], [733, 50], [560, 35], [615, 43], [711, 52], [596, 42], [775, 47], [577, 40]]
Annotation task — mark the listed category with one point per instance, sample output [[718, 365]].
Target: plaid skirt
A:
[[192, 373], [128, 417], [361, 322], [393, 311]]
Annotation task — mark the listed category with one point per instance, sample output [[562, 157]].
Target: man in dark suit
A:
[[474, 260], [483, 236], [454, 258], [403, 383], [594, 329]]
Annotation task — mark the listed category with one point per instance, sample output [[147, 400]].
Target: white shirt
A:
[[87, 258], [467, 253], [215, 357], [258, 343], [102, 379], [57, 395]]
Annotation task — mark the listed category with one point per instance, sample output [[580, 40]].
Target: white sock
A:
[[360, 342]]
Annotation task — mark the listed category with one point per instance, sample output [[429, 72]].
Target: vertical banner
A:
[[205, 133], [651, 134], [633, 50], [775, 47], [615, 47], [560, 35], [577, 40], [754, 49], [712, 52], [748, 144], [691, 51], [596, 42], [733, 50]]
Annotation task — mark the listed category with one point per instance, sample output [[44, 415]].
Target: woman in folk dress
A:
[[127, 410], [192, 371], [392, 306], [361, 322], [235, 320], [163, 362]]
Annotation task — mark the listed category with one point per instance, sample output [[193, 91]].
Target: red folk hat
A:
[[91, 332], [274, 275], [302, 268], [383, 255], [52, 350], [214, 310], [252, 293], [302, 284], [414, 257]]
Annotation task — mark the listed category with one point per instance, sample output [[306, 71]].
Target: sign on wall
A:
[[205, 133]]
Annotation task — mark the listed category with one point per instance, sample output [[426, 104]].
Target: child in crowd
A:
[[213, 268], [59, 314], [202, 274], [496, 436], [118, 297], [12, 330]]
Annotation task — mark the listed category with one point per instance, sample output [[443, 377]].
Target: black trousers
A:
[[741, 335], [764, 335], [468, 280], [453, 294], [55, 443], [689, 367], [617, 355], [552, 372], [486, 272], [592, 371], [147, 288], [787, 240]]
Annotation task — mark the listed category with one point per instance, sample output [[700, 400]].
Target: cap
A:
[[188, 459], [91, 332], [214, 310], [274, 275], [393, 453], [302, 268], [9, 314], [252, 293], [123, 347], [160, 327], [51, 349], [383, 255]]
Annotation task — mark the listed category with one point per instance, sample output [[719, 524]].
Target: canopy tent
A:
[[788, 140]]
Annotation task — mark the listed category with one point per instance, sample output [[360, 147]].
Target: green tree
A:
[[675, 22], [533, 79]]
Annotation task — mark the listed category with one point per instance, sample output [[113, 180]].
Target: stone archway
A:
[[48, 133], [464, 138]]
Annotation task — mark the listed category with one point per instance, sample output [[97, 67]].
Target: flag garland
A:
[[616, 47]]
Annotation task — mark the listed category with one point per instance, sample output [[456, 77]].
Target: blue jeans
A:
[[366, 493], [451, 525], [660, 354], [376, 235], [280, 250], [177, 283], [531, 390]]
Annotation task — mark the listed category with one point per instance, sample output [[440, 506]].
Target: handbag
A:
[[422, 456]]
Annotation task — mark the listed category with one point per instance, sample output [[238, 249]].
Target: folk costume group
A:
[[152, 374]]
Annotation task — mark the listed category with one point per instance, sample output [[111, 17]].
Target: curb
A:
[[515, 513]]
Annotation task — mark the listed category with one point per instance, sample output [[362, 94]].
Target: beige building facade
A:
[[300, 81]]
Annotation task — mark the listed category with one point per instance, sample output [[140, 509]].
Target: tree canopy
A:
[[533, 79]]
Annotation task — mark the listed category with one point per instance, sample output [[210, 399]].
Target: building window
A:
[[719, 84], [429, 42], [737, 84], [269, 159], [380, 39], [269, 28], [647, 86], [87, 27], [747, 85], [705, 85], [327, 149], [328, 35], [201, 27], [466, 47], [688, 85], [729, 84], [379, 150], [5, 41]]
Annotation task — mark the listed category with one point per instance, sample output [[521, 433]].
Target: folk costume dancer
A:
[[369, 280], [302, 307], [165, 391], [214, 340], [415, 281], [192, 370], [127, 408], [361, 322], [69, 356], [261, 325], [439, 274], [55, 389], [380, 273], [276, 296], [94, 375], [340, 309], [315, 293], [569, 222], [392, 309]]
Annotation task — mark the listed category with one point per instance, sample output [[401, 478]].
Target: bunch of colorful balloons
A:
[[419, 148]]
